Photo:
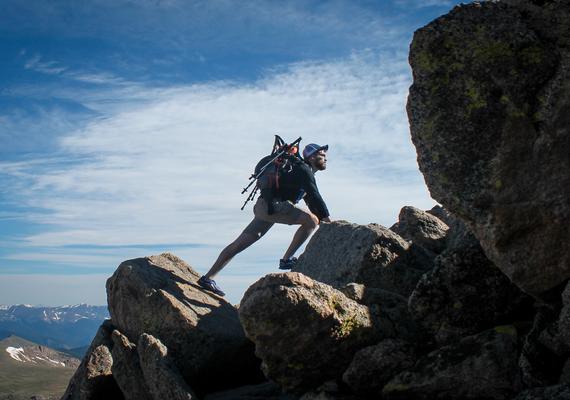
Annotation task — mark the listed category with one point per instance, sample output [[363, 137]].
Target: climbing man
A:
[[281, 207]]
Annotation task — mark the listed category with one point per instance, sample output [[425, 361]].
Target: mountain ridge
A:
[[60, 327]]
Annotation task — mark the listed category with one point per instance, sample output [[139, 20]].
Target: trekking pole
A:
[[250, 197]]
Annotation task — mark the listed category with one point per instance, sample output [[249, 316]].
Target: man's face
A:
[[319, 160]]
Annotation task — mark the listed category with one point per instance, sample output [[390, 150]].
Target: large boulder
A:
[[340, 253], [421, 228], [482, 366], [489, 112], [94, 379], [465, 293], [159, 296], [305, 331]]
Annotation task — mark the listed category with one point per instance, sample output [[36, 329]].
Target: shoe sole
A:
[[222, 294]]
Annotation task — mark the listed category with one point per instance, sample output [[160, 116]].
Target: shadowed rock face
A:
[[465, 293], [373, 366], [481, 366], [489, 111]]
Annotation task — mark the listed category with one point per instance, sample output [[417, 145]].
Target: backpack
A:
[[267, 172]]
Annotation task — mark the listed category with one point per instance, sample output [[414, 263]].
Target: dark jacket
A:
[[300, 183]]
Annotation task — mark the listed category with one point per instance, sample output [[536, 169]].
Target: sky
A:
[[129, 128]]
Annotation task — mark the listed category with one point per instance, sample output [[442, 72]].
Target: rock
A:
[[305, 332], [482, 366], [421, 228], [355, 291], [158, 295], [340, 253], [557, 392], [372, 367], [538, 365], [551, 338], [328, 391], [564, 318], [262, 391], [388, 309], [93, 379], [161, 375], [442, 214], [489, 112], [464, 293], [565, 375], [126, 368]]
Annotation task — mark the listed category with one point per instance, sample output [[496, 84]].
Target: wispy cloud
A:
[[47, 67], [38, 64], [171, 169]]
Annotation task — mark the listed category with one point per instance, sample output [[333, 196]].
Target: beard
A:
[[321, 166]]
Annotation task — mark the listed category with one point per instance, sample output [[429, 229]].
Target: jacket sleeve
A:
[[313, 198]]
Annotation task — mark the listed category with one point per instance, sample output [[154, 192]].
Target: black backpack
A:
[[268, 170]]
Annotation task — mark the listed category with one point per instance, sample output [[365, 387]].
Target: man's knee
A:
[[310, 221]]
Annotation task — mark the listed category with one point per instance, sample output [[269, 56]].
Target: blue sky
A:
[[128, 128]]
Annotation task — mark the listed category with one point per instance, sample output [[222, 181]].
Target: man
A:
[[293, 186]]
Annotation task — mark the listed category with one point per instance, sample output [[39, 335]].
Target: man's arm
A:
[[313, 198]]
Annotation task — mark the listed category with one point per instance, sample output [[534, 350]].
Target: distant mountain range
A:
[[28, 369], [68, 328]]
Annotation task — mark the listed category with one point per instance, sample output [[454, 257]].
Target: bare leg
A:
[[242, 242], [309, 223]]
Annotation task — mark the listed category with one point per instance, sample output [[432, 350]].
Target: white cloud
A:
[[170, 168], [47, 67]]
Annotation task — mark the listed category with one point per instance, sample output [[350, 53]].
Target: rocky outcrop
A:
[[158, 295], [422, 228], [489, 112], [483, 366], [305, 332], [167, 338], [341, 253]]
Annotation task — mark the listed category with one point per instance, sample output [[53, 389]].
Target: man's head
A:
[[316, 156]]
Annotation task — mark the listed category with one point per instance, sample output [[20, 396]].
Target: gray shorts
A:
[[285, 213]]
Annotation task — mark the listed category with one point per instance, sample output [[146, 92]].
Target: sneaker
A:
[[287, 264], [210, 285]]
